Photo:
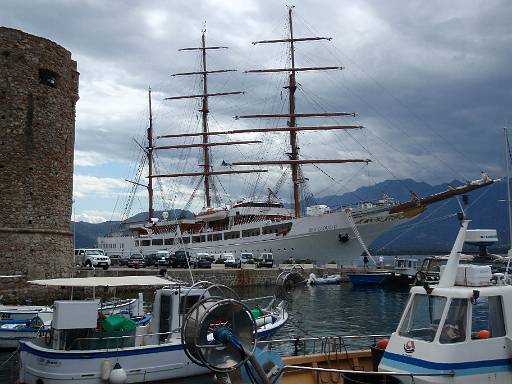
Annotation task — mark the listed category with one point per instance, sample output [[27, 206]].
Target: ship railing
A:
[[340, 346], [121, 341], [321, 344]]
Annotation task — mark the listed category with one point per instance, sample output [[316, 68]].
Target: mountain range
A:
[[433, 231]]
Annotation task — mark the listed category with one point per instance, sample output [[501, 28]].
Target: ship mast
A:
[[207, 171], [292, 115], [150, 160]]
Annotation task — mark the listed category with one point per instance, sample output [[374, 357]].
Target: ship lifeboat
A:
[[212, 214]]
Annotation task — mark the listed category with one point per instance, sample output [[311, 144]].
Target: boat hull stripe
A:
[[390, 359]]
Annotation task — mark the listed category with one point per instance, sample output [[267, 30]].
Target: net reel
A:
[[287, 282], [214, 318]]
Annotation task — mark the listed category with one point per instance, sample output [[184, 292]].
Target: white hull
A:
[[142, 364], [10, 339], [22, 312], [310, 237]]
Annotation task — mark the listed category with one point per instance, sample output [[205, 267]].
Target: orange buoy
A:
[[483, 334], [382, 344]]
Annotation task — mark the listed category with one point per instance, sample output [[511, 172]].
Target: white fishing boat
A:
[[28, 312], [22, 312], [260, 224], [11, 331], [148, 353], [323, 280]]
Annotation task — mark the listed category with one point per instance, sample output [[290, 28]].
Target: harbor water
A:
[[314, 311]]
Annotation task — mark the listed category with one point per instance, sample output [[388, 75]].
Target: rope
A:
[[9, 358], [356, 232]]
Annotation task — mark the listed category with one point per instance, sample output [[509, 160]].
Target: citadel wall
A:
[[38, 94]]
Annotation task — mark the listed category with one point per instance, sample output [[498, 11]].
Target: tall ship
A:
[[298, 230]]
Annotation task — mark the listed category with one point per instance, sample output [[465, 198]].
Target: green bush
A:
[[219, 261]]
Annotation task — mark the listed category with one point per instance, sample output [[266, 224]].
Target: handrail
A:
[[319, 338], [81, 339], [386, 373]]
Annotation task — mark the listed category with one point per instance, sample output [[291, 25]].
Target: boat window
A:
[[487, 318], [187, 302], [158, 241], [168, 241], [145, 243], [455, 325], [185, 239], [232, 235], [251, 232], [136, 243], [422, 318]]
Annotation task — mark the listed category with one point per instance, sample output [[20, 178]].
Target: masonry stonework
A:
[[38, 93]]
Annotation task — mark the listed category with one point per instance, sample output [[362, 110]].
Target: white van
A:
[[92, 257], [266, 260]]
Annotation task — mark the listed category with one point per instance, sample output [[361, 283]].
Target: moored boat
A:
[[150, 352], [323, 280], [370, 278]]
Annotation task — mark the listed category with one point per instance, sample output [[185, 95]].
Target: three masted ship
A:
[[254, 226]]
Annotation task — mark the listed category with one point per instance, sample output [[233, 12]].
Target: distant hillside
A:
[[433, 231]]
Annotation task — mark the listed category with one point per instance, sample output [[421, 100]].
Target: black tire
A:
[[105, 267], [88, 264]]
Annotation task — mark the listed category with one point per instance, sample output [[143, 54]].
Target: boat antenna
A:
[[507, 162]]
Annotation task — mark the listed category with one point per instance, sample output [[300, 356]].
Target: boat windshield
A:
[[423, 316], [93, 252]]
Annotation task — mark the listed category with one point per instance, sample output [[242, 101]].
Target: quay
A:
[[16, 290]]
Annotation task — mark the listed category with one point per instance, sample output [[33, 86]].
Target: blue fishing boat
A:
[[371, 278]]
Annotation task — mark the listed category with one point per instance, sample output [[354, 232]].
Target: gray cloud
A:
[[430, 80]]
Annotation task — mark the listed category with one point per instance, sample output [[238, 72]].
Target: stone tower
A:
[[38, 93]]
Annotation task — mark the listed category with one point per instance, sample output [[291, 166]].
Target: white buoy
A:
[[106, 368], [118, 375]]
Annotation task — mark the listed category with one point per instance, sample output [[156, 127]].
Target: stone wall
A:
[[38, 93]]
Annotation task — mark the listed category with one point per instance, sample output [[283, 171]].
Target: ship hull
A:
[[318, 238]]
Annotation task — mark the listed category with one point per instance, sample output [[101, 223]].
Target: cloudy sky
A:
[[430, 81]]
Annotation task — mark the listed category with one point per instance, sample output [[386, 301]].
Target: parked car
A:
[[202, 260], [266, 260], [123, 262], [163, 258], [181, 259], [151, 259], [230, 261], [92, 257], [245, 257], [136, 261], [115, 260]]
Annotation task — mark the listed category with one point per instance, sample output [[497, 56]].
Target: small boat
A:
[[22, 312], [147, 353], [404, 273], [325, 279], [11, 331], [370, 278], [212, 214], [28, 312]]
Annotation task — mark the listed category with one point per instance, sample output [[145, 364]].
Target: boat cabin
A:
[[464, 328]]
